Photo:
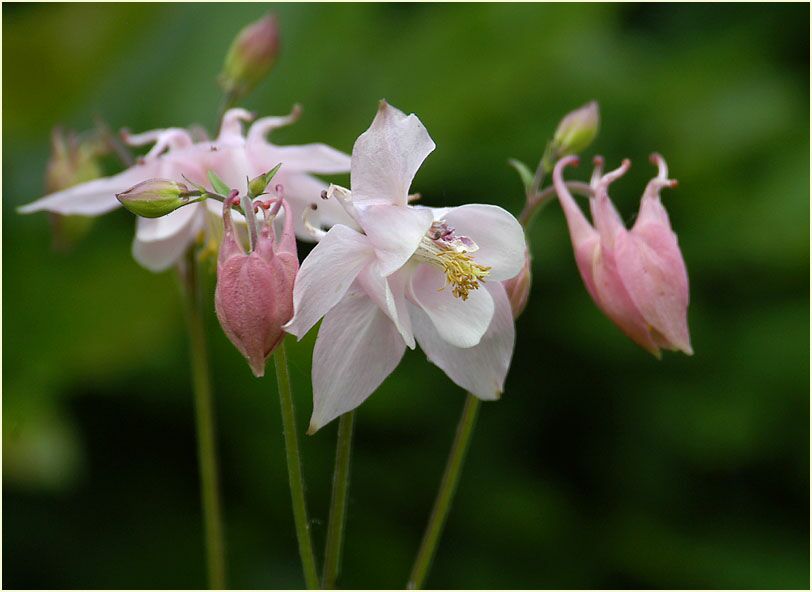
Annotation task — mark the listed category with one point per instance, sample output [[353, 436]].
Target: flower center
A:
[[451, 253]]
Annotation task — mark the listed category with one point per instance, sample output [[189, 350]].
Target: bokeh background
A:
[[600, 468]]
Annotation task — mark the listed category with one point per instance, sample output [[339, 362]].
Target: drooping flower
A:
[[254, 293], [400, 275], [235, 157], [636, 277]]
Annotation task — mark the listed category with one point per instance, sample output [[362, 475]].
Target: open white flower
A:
[[160, 242], [402, 274]]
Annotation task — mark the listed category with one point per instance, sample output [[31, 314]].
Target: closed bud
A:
[[577, 130], [259, 184], [254, 293], [251, 56], [154, 198], [518, 287]]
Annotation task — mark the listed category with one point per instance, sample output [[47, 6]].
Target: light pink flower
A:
[[402, 274], [636, 277], [235, 157], [254, 293]]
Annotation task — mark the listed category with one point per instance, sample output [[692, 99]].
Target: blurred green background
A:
[[601, 467]]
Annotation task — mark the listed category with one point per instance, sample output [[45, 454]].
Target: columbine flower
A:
[[254, 293], [401, 274], [160, 242], [638, 277]]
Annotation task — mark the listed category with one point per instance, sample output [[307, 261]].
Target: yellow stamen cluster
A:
[[462, 272]]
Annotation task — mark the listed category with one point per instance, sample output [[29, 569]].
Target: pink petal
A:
[[481, 369], [326, 274], [394, 231], [496, 232], [357, 348], [308, 158], [386, 157], [461, 323]]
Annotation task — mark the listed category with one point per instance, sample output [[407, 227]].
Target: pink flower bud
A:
[[577, 130], [251, 56], [636, 277], [254, 293], [518, 287]]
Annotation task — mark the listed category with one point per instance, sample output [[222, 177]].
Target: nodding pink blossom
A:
[[254, 293], [636, 277], [234, 156], [398, 275]]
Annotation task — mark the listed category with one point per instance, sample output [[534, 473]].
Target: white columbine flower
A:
[[235, 157], [401, 274]]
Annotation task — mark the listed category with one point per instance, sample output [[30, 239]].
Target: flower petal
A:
[[357, 348], [326, 274], [93, 198], [389, 293], [158, 229], [159, 254], [386, 157], [461, 323], [481, 369], [497, 233], [309, 158], [394, 231]]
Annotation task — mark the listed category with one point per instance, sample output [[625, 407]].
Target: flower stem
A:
[[295, 469], [442, 504], [206, 448], [338, 502]]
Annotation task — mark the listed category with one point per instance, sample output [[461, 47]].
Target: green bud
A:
[[577, 130], [258, 184], [250, 57], [154, 198]]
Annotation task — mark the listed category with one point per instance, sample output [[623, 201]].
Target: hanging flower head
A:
[[636, 277], [235, 157], [254, 293], [397, 275]]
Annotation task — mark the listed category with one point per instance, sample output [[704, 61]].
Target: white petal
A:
[[481, 369], [308, 158], [325, 275], [386, 157], [389, 293], [357, 348], [394, 231], [158, 255], [497, 233], [93, 198], [165, 227], [461, 323]]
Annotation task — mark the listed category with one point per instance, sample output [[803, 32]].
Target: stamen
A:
[[451, 253]]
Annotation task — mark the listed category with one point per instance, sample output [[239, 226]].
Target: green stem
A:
[[206, 449], [295, 469], [338, 502], [442, 504]]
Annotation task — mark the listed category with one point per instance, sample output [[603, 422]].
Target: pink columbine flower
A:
[[636, 277], [235, 157], [254, 293], [400, 275]]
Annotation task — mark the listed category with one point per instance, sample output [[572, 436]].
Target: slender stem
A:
[[542, 198], [206, 449], [295, 468], [442, 504], [338, 502]]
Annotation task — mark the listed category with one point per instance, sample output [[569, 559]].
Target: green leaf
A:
[[218, 184], [524, 172]]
